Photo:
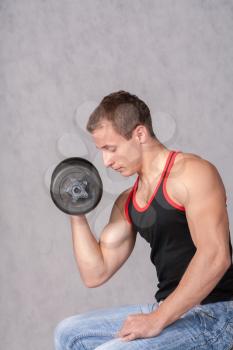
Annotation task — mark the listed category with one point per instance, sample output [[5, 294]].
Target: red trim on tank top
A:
[[127, 207], [142, 209], [169, 200]]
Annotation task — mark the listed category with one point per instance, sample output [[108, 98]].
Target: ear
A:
[[141, 133]]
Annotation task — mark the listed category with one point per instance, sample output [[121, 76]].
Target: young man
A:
[[178, 204]]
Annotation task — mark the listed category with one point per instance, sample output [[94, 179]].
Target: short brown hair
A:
[[125, 111]]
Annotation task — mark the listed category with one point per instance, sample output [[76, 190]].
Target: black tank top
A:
[[163, 224]]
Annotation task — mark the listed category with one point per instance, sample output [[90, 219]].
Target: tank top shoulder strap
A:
[[171, 155], [164, 190], [170, 163], [126, 207]]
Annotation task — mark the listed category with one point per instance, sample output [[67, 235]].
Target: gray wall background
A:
[[57, 60]]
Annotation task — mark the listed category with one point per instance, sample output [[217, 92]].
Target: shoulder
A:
[[118, 209], [184, 157], [194, 166], [190, 163], [123, 196], [184, 163], [196, 173]]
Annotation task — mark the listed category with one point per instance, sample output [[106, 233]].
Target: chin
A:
[[127, 173]]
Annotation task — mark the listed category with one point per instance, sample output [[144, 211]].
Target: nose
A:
[[107, 158]]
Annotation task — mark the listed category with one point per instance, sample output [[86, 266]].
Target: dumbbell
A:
[[76, 187]]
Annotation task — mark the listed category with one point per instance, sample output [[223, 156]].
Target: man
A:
[[178, 204]]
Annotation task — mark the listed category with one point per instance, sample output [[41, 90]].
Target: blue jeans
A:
[[203, 327]]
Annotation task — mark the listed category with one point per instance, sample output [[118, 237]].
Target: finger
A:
[[122, 333], [119, 335], [129, 337]]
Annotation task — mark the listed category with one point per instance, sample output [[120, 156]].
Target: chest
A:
[[173, 187]]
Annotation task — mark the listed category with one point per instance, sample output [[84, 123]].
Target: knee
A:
[[64, 334], [61, 335]]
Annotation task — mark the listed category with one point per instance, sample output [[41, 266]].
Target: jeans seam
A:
[[94, 334], [79, 342], [214, 339]]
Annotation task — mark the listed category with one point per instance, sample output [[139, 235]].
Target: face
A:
[[118, 153]]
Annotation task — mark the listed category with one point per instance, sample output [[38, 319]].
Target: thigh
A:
[[204, 327], [216, 323], [179, 335], [90, 329]]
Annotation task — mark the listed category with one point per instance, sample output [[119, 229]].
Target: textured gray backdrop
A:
[[57, 60]]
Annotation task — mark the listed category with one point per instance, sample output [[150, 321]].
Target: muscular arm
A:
[[98, 261], [209, 227], [86, 250]]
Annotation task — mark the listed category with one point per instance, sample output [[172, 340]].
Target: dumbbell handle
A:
[[77, 190]]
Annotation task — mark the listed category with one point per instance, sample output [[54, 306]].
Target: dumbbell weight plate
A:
[[76, 186]]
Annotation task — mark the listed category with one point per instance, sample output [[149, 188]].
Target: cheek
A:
[[130, 155]]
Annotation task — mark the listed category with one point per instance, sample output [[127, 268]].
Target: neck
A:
[[153, 162]]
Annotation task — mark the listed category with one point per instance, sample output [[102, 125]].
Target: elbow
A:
[[226, 260], [224, 263], [90, 284], [219, 261], [227, 263], [94, 283]]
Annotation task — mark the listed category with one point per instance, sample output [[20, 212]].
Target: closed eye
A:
[[111, 149]]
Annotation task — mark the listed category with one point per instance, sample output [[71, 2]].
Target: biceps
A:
[[116, 243]]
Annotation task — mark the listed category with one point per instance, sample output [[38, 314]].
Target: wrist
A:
[[77, 218], [160, 317]]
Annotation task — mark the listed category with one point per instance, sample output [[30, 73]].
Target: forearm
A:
[[201, 276], [86, 250]]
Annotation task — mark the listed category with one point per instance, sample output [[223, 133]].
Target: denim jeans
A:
[[203, 327]]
